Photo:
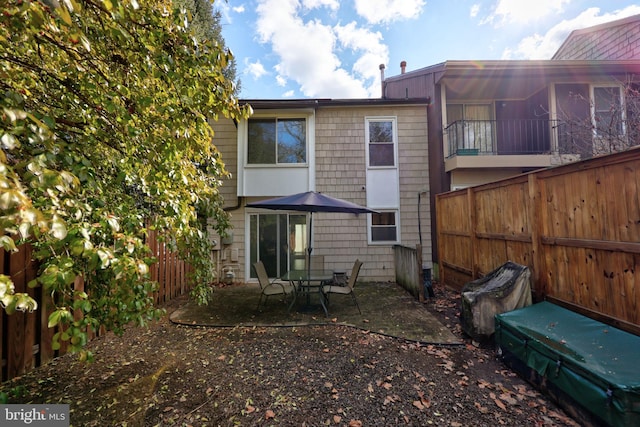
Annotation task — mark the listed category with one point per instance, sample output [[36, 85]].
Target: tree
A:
[[104, 129], [205, 24], [605, 122]]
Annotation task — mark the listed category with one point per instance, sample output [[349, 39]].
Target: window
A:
[[384, 227], [470, 128], [607, 111], [277, 141], [381, 142], [279, 241]]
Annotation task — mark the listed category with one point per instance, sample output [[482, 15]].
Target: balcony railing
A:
[[537, 136], [499, 137]]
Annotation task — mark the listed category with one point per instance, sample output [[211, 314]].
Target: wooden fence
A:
[[577, 226], [408, 267], [25, 339]]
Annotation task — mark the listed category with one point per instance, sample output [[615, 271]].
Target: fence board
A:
[[25, 339], [17, 357], [3, 357], [577, 226], [47, 353]]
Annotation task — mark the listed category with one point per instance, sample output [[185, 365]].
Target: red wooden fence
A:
[[25, 339]]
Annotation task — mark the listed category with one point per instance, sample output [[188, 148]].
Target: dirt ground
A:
[[329, 375]]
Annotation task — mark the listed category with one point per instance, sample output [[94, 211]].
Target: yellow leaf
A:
[[64, 14]]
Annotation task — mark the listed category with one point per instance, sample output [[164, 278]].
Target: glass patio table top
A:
[[308, 276], [304, 281]]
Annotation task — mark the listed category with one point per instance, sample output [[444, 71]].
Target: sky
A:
[[300, 49]]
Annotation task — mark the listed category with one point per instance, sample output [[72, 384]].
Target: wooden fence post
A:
[[472, 233]]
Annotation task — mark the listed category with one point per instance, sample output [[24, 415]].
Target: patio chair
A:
[[345, 289], [268, 288]]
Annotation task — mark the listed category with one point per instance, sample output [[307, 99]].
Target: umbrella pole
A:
[[309, 249]]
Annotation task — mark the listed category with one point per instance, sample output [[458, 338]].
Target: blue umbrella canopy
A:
[[311, 201]]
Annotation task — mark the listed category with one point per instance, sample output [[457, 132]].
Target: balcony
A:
[[499, 137]]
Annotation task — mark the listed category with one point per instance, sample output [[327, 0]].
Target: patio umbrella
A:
[[311, 202]]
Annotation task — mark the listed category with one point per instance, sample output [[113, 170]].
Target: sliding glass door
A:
[[279, 241]]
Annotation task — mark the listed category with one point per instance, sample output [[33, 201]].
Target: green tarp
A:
[[597, 365]]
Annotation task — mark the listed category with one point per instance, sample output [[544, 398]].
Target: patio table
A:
[[306, 281]]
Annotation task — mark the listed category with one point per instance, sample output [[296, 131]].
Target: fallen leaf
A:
[[418, 405], [355, 423], [507, 398], [269, 415], [249, 409], [482, 409], [337, 419], [500, 405]]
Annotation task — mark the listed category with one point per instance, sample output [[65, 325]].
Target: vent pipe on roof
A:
[[382, 79], [403, 67]]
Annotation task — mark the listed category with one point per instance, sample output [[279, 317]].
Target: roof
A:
[[611, 43], [549, 66], [504, 79], [267, 104]]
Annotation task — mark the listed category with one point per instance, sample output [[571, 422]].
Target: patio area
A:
[[386, 309]]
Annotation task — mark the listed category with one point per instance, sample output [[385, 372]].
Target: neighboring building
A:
[[490, 120], [372, 152], [609, 41]]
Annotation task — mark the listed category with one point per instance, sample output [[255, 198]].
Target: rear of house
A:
[[372, 152]]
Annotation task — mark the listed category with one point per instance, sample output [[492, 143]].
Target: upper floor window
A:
[[381, 140], [277, 141], [608, 111]]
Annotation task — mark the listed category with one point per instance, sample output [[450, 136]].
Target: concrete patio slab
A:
[[386, 309]]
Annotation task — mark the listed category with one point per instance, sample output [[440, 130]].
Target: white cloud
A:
[[226, 10], [544, 46], [475, 9], [281, 81], [306, 50], [520, 12], [288, 94], [373, 52], [386, 11], [255, 69], [314, 4]]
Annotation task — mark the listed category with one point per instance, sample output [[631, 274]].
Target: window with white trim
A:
[[381, 142], [276, 141], [384, 227]]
